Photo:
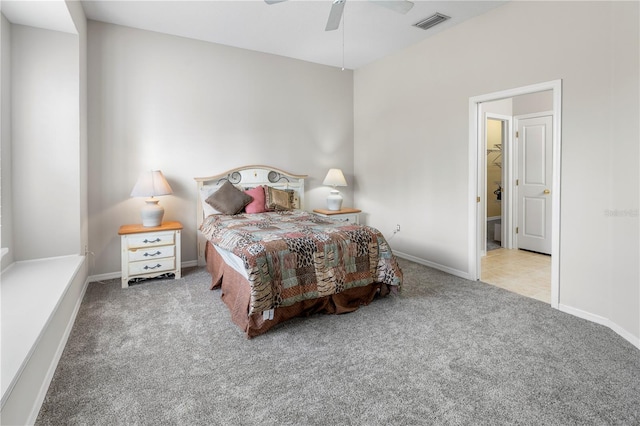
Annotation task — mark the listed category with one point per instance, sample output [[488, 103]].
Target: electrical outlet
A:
[[397, 228]]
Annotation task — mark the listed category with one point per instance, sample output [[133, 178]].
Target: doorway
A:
[[480, 110], [497, 129]]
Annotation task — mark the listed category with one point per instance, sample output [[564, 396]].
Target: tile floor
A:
[[519, 271]]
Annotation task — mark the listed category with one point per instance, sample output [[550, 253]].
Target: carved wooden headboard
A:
[[246, 177]]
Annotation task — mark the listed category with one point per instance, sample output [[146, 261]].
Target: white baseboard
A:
[[114, 275], [634, 340], [434, 265], [189, 264], [583, 314], [104, 277]]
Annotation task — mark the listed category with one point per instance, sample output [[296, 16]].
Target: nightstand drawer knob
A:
[[157, 240], [152, 254], [152, 267]]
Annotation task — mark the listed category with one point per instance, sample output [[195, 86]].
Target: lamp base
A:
[[151, 213], [334, 200]]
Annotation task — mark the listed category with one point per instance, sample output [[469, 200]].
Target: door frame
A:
[[476, 174]]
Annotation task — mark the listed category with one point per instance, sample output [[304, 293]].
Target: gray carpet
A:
[[445, 351]]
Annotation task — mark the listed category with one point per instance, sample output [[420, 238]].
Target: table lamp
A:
[[151, 184], [334, 178]]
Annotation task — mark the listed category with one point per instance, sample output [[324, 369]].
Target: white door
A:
[[534, 178]]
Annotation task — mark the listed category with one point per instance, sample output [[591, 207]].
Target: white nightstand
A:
[[148, 252], [345, 214]]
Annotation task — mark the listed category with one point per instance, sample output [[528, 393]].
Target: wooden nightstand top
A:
[[341, 211], [138, 228]]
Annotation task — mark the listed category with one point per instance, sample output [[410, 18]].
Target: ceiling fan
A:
[[335, 15]]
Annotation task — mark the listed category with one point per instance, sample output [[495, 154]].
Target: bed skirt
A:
[[236, 294]]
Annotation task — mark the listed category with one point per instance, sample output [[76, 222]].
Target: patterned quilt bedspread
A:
[[292, 256]]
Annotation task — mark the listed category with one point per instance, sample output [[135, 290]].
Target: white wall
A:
[[195, 109], [6, 197], [501, 107], [622, 289], [416, 129], [533, 102], [76, 12], [45, 148]]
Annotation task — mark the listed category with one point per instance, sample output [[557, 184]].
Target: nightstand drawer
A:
[[351, 218], [151, 253], [348, 215], [151, 239], [152, 266]]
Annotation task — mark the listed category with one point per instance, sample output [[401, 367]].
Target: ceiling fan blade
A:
[[273, 1], [335, 15], [400, 6]]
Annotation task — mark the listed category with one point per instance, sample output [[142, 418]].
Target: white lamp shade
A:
[[335, 178], [150, 184]]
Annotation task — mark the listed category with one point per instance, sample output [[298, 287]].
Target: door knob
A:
[[546, 191]]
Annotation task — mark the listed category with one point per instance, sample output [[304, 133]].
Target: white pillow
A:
[[205, 192]]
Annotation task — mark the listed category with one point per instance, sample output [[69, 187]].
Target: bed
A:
[[274, 261]]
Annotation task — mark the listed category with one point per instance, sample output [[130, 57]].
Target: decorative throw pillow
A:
[[257, 205], [229, 199], [207, 208], [278, 199]]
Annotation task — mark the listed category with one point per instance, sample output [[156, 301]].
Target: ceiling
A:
[[50, 15], [293, 28]]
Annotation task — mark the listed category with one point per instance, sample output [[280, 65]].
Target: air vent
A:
[[431, 21]]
